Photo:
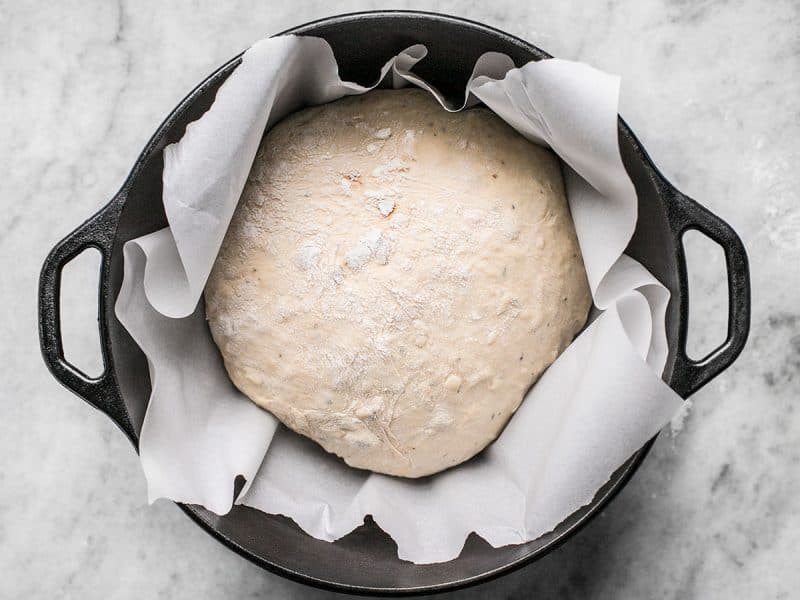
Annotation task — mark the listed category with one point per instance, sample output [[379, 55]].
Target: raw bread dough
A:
[[395, 278]]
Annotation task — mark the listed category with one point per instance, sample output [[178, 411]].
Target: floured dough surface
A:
[[395, 278]]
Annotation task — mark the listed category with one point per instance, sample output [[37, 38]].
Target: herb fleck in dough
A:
[[395, 278]]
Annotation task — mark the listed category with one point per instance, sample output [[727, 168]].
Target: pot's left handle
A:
[[94, 233]]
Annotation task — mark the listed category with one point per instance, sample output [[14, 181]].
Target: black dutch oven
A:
[[365, 561]]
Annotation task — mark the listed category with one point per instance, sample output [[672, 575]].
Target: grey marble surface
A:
[[713, 90]]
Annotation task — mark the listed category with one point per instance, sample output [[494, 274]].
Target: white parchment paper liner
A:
[[599, 402]]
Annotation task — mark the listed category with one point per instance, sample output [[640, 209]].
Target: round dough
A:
[[395, 278]]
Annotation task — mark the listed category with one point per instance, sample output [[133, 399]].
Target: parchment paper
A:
[[599, 402]]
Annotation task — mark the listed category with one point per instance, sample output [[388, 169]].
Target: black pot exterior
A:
[[365, 561]]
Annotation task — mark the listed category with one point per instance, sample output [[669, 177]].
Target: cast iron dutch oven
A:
[[365, 561]]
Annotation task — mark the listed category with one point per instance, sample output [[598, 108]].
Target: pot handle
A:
[[94, 233], [685, 214]]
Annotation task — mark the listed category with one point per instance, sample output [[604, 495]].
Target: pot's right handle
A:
[[94, 233], [685, 214]]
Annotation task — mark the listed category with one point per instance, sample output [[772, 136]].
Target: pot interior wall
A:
[[367, 557]]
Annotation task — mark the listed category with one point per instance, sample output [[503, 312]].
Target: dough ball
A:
[[395, 278]]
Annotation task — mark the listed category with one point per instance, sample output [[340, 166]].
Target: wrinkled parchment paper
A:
[[600, 401]]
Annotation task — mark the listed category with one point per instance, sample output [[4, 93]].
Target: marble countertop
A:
[[712, 88]]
